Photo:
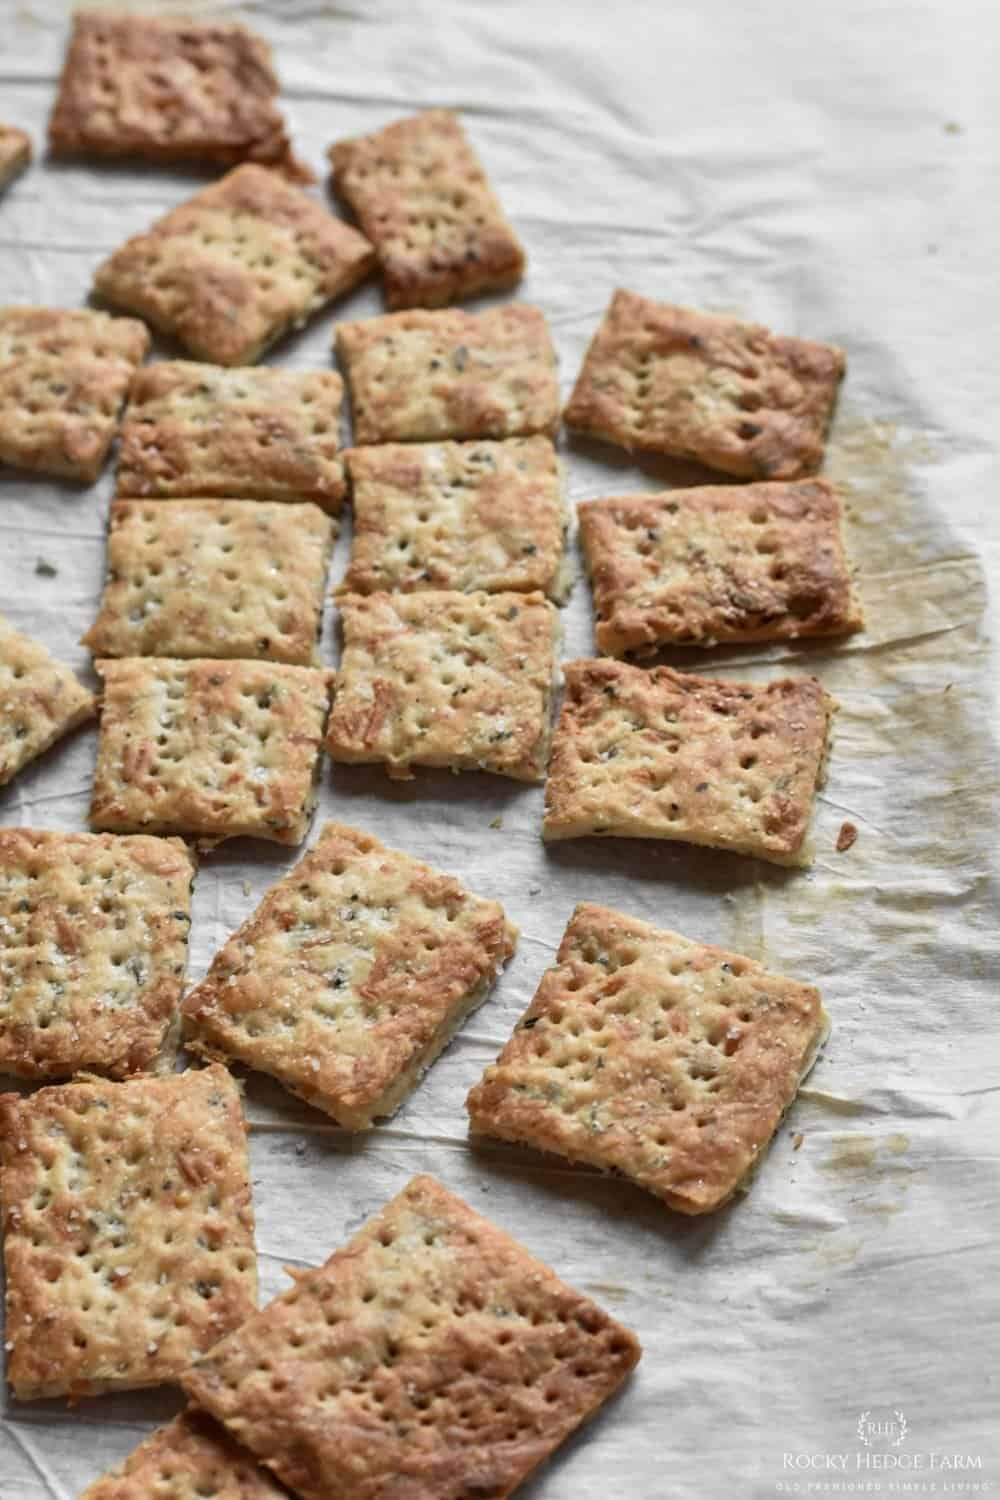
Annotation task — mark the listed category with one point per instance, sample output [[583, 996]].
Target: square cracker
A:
[[421, 196], [752, 562], [15, 152], [216, 749], [725, 393], [196, 1458], [238, 265], [129, 1234], [351, 977], [419, 376], [667, 755], [93, 944], [169, 89], [261, 434], [445, 679], [653, 1056], [214, 578], [64, 374], [431, 1357], [40, 700], [457, 516]]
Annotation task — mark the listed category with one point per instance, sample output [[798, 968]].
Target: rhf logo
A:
[[877, 1431]]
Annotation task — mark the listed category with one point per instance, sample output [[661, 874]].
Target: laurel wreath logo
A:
[[901, 1425]]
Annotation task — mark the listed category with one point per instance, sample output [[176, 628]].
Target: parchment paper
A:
[[828, 170]]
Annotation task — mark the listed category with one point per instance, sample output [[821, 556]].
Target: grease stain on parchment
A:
[[878, 1179]]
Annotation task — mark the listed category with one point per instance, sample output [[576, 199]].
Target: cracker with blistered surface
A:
[[351, 977], [15, 152], [93, 944], [64, 373], [650, 1055], [129, 1233], [421, 196], [215, 749], [668, 755], [261, 434], [214, 578], [192, 1458], [40, 701], [167, 89], [693, 385], [440, 678], [241, 263], [481, 515], [433, 1356], [419, 376], [750, 562]]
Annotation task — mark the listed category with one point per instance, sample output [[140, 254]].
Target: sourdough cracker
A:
[[350, 978], [420, 376], [93, 946], [168, 89], [668, 755], [647, 1054], [431, 1356], [64, 373], [421, 196], [214, 578], [215, 749], [196, 1458], [15, 152], [752, 562], [261, 434], [128, 1230], [466, 516], [440, 678], [698, 386], [241, 263], [40, 701]]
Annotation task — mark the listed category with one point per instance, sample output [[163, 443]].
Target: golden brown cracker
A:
[[129, 1234], [694, 385], [214, 578], [261, 434], [40, 700], [354, 972], [215, 749], [466, 516], [15, 152], [693, 567], [241, 263], [432, 1356], [64, 373], [421, 196], [168, 89], [93, 945], [650, 1055], [445, 679], [196, 1458], [421, 376], [668, 755]]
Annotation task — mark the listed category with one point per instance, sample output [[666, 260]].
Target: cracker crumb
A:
[[846, 837], [797, 1140]]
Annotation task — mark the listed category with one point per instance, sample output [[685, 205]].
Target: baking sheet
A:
[[823, 170]]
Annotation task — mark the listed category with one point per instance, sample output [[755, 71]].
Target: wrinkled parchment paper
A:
[[828, 171]]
